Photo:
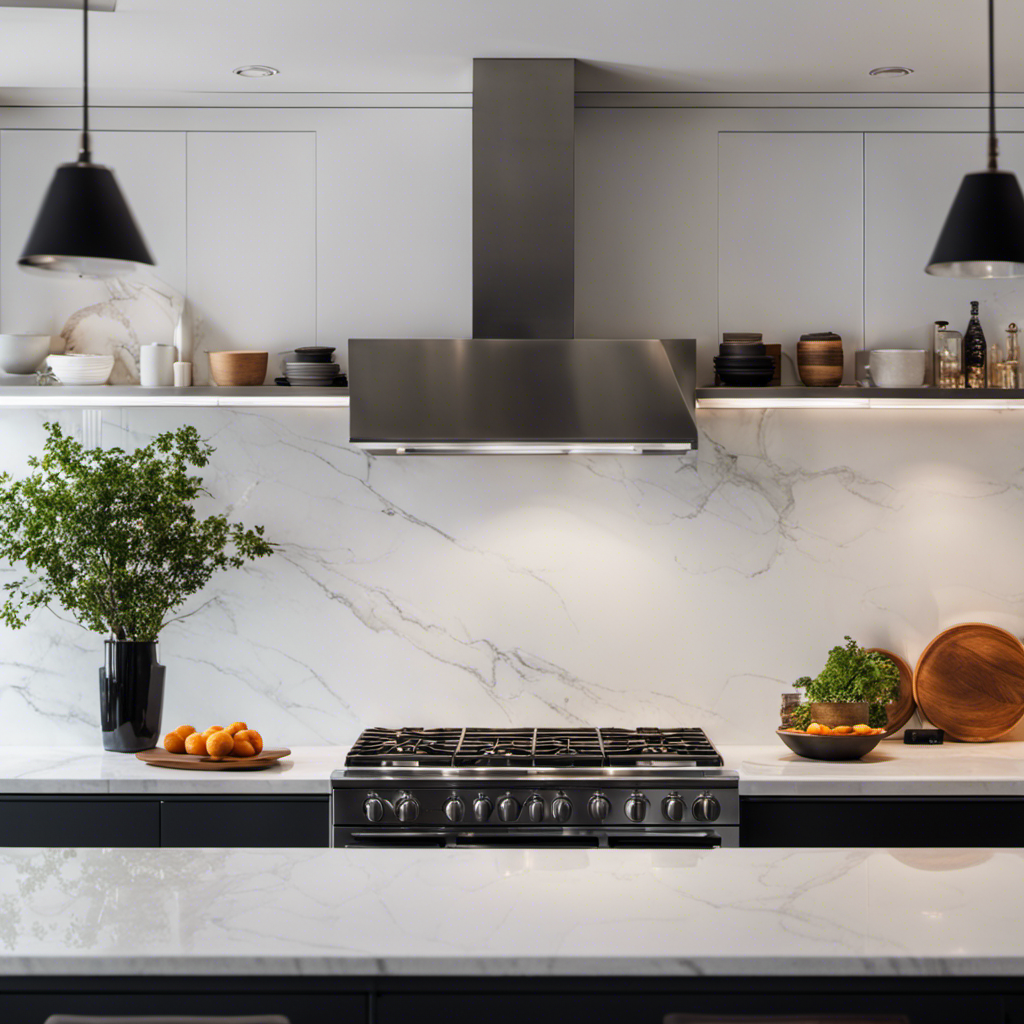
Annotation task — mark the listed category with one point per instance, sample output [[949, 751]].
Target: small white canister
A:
[[156, 366]]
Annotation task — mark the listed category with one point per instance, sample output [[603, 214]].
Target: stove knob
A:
[[508, 808], [373, 808], [561, 808], [482, 808], [600, 806], [636, 807], [706, 808], [535, 809], [454, 809], [673, 807], [407, 808]]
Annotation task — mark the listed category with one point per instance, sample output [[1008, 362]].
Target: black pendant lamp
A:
[[85, 226], [984, 233]]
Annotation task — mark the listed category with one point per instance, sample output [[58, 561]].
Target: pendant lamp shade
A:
[[85, 226], [983, 235]]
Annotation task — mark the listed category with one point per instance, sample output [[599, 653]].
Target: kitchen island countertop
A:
[[891, 769], [506, 912]]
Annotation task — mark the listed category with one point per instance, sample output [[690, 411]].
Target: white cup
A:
[[156, 366], [897, 367], [182, 375]]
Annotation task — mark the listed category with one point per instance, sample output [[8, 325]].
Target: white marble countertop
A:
[[82, 771], [891, 769], [538, 912]]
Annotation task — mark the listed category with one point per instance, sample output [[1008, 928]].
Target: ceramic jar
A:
[[819, 360]]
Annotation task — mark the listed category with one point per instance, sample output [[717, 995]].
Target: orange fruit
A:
[[174, 744], [220, 744], [195, 743], [185, 730], [236, 727], [253, 737], [243, 748]]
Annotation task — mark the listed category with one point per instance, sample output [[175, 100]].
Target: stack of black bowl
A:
[[743, 362]]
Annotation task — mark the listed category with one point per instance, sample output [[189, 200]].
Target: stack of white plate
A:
[[316, 375], [82, 368]]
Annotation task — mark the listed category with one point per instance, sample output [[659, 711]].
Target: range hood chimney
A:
[[523, 384], [523, 198]]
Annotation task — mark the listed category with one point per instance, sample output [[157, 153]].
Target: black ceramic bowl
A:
[[746, 379], [751, 349], [745, 362], [314, 354], [829, 748]]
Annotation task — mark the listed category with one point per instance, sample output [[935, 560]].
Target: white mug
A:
[[897, 367], [156, 366]]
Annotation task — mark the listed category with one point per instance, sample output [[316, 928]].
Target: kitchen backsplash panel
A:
[[561, 590]]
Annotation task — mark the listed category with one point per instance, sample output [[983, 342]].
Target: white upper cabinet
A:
[[252, 267], [790, 216], [910, 181]]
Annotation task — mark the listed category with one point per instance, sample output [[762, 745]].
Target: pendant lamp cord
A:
[[85, 149], [993, 143]]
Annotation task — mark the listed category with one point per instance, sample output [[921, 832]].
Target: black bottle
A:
[[975, 352]]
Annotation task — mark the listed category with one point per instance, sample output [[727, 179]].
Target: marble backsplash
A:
[[553, 590]]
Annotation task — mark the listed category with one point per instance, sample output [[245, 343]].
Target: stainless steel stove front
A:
[[406, 806]]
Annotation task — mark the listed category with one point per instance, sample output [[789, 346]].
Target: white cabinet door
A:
[[910, 181], [252, 266], [790, 257], [150, 167]]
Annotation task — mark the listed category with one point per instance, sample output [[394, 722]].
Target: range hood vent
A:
[[524, 384], [500, 396]]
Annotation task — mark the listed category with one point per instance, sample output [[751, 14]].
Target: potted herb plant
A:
[[852, 689], [113, 538]]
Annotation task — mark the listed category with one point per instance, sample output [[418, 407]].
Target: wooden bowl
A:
[[828, 748], [240, 369]]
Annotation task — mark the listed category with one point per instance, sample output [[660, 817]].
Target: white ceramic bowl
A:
[[23, 353], [82, 368]]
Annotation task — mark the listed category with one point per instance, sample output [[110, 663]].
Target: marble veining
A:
[[594, 590], [904, 912]]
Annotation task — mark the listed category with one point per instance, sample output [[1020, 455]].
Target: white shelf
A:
[[857, 398], [31, 396]]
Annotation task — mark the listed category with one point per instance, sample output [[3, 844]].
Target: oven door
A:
[[525, 838]]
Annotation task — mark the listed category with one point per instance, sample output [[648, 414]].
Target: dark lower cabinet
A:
[[53, 821], [299, 821], [651, 1007], [293, 821], [299, 1008], [882, 822]]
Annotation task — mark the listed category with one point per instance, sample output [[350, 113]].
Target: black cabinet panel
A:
[[881, 821], [293, 821], [317, 1008], [105, 821], [652, 1007]]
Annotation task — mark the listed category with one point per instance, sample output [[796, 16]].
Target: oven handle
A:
[[678, 840], [681, 840]]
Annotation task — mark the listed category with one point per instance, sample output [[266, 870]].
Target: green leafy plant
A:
[[851, 674], [113, 536]]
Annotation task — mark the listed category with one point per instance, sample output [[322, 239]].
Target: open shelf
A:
[[858, 398], [57, 396]]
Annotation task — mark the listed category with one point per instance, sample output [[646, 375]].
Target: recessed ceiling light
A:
[[260, 71], [891, 72]]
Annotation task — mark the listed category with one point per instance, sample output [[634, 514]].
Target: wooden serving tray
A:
[[160, 758]]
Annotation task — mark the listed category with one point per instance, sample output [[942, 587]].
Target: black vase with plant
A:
[[113, 538]]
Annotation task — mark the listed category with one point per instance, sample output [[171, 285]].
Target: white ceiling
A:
[[428, 45]]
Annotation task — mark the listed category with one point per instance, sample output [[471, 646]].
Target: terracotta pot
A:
[[819, 360], [841, 714]]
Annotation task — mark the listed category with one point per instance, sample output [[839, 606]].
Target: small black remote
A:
[[923, 736]]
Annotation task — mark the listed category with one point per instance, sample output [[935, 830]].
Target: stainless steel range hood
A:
[[523, 384]]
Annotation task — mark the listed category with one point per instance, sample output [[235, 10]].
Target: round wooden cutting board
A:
[[969, 681], [159, 758], [902, 709]]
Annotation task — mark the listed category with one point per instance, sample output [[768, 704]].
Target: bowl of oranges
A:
[[824, 743], [233, 746]]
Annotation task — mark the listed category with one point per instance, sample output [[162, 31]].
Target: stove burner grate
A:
[[481, 747]]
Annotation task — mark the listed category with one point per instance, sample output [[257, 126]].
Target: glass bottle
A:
[[948, 350], [1012, 358], [975, 352]]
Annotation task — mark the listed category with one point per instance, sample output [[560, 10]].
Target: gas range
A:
[[535, 787]]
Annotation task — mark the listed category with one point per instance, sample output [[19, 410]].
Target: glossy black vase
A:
[[131, 695]]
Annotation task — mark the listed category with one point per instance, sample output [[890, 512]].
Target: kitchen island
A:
[[406, 930]]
